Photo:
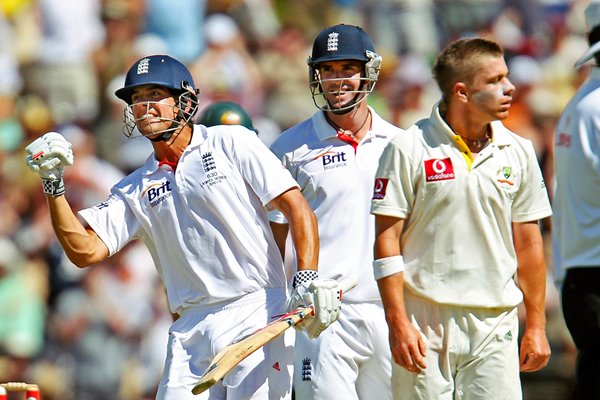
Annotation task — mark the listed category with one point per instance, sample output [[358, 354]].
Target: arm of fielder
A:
[[232, 355]]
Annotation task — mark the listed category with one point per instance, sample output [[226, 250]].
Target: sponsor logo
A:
[[439, 169], [306, 369], [563, 140], [379, 189], [276, 366], [333, 159], [508, 336], [157, 193]]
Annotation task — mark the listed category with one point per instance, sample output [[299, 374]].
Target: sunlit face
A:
[[340, 81], [490, 92], [153, 109]]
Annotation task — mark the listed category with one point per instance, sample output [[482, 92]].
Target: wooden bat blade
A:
[[233, 354]]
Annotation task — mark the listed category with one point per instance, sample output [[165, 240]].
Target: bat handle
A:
[[347, 284]]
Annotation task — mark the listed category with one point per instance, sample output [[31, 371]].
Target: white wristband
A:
[[387, 266]]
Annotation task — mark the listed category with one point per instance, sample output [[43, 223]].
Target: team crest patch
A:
[[306, 369], [504, 175], [380, 188], [439, 169], [332, 41], [143, 66], [211, 175]]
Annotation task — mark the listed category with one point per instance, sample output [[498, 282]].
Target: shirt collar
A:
[[198, 137], [499, 137], [324, 130]]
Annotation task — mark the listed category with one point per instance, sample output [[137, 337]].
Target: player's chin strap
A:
[[183, 118], [350, 106], [177, 124], [187, 105]]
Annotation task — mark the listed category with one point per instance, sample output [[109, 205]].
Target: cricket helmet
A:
[[161, 70], [343, 42], [225, 113]]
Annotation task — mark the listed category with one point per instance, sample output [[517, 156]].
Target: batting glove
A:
[[323, 295], [47, 156]]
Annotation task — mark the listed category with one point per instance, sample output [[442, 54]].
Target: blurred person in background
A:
[[282, 62], [226, 70], [95, 332], [402, 26], [180, 25], [23, 292], [62, 72]]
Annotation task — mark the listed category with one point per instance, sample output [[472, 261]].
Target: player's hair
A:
[[459, 62]]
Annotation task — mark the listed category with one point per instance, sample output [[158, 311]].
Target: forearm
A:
[[305, 236], [303, 227], [82, 246], [531, 274], [391, 289], [532, 281]]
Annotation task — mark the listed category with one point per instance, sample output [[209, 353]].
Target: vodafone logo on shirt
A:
[[439, 169], [379, 190]]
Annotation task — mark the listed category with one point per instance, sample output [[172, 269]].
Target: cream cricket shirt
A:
[[337, 182], [205, 224], [576, 201], [457, 241]]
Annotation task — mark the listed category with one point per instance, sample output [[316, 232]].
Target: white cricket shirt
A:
[[205, 224], [576, 200], [457, 242], [338, 182]]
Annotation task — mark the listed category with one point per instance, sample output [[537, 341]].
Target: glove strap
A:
[[305, 275], [54, 187]]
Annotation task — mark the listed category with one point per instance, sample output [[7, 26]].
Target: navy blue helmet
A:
[[165, 71], [160, 70], [343, 42]]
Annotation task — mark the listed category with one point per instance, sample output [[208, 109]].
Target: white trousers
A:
[[472, 353], [198, 335], [350, 360]]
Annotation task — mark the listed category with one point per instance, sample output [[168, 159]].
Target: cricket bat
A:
[[233, 354]]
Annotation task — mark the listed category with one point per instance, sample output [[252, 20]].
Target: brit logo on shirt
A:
[[158, 192], [439, 169]]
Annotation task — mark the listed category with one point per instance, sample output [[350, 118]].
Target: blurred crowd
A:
[[99, 333]]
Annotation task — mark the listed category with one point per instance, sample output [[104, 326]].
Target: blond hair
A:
[[459, 61]]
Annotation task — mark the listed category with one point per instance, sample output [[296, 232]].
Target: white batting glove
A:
[[323, 295], [47, 156]]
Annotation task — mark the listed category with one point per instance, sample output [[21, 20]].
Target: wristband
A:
[[387, 266], [303, 276], [54, 187]]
